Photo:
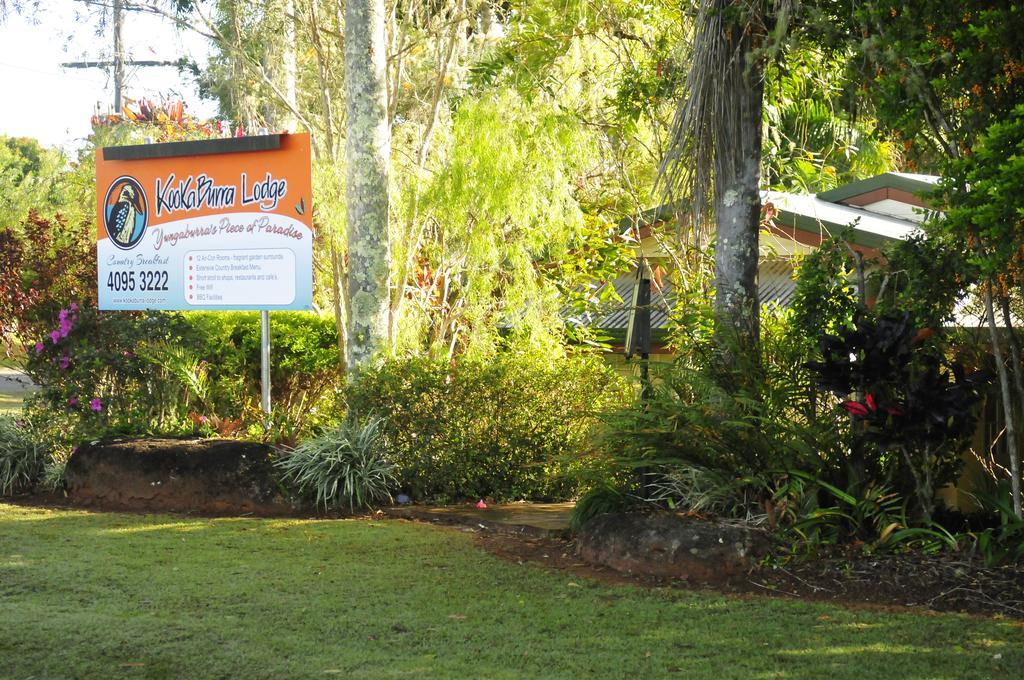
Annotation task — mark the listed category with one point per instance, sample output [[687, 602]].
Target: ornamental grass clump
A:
[[345, 465], [21, 458]]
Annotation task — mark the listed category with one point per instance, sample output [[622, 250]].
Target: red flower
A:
[[869, 399], [855, 408]]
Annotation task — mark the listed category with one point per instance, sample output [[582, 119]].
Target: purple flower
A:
[[55, 336], [39, 348], [74, 306], [63, 316], [65, 361], [65, 327], [96, 405], [73, 401]]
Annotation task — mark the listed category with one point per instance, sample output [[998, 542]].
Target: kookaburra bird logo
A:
[[125, 212]]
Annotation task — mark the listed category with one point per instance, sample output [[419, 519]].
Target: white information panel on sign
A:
[[234, 277]]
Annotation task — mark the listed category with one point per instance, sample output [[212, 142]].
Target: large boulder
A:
[[208, 476], [673, 546]]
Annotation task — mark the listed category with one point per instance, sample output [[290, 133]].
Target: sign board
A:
[[213, 224]]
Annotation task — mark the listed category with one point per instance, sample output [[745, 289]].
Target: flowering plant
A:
[[41, 267], [91, 377]]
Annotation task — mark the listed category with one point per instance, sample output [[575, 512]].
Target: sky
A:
[[54, 104]]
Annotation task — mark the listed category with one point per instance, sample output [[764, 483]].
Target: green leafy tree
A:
[[941, 75], [985, 211], [482, 263], [27, 173], [812, 141]]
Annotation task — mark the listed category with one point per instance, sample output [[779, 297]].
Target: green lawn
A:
[[109, 595], [10, 403], [17, 361]]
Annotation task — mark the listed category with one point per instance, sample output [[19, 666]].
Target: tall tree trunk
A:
[[338, 283], [367, 156], [713, 160], [737, 201], [338, 293], [118, 58], [1018, 383], [1007, 399], [242, 98], [322, 74], [289, 67]]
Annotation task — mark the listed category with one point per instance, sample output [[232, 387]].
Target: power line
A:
[[119, 62], [126, 62], [55, 74]]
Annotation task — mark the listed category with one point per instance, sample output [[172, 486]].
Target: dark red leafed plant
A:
[[41, 269], [906, 398]]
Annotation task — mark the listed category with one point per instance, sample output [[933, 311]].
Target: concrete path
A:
[[534, 519], [15, 382]]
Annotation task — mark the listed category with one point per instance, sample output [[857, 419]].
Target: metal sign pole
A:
[[265, 349], [265, 360]]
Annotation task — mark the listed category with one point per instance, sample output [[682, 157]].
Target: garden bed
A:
[[940, 583], [204, 476]]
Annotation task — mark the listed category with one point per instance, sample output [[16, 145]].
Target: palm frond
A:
[[704, 135]]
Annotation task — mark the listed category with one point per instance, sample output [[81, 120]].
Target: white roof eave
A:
[[834, 216]]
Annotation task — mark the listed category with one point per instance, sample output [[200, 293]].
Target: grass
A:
[[10, 403], [110, 595], [17, 361]]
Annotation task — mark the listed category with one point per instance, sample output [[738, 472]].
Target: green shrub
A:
[[345, 465], [599, 501], [915, 411], [95, 376], [811, 513], [740, 419], [52, 478], [137, 373], [1003, 540], [22, 459], [304, 367], [713, 492], [508, 427]]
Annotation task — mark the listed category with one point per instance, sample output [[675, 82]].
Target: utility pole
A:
[[119, 62], [118, 55]]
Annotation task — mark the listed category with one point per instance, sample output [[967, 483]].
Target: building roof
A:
[[775, 285], [876, 210], [903, 181], [812, 214], [892, 210]]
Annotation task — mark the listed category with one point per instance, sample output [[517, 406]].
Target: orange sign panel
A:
[[218, 224]]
